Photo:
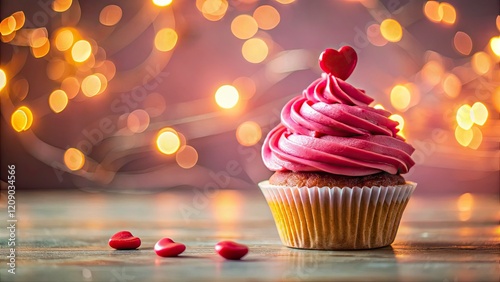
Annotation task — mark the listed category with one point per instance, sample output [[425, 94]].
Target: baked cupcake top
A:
[[331, 128]]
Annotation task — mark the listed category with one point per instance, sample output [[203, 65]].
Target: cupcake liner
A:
[[334, 218]]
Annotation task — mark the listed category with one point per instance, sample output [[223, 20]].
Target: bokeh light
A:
[[463, 117], [447, 13], [19, 89], [248, 133], [479, 113], [168, 141], [431, 11], [246, 87], [399, 119], [481, 62], [64, 39], [463, 136], [432, 72], [104, 82], [400, 97], [58, 100], [462, 43], [154, 104], [7, 25], [107, 68], [41, 51], [255, 50], [226, 96], [38, 37], [285, 1], [477, 138], [91, 85], [495, 97], [19, 120], [162, 3], [375, 36], [8, 38], [56, 69], [20, 19], [71, 86], [22, 119], [61, 5], [267, 17], [244, 26], [74, 159], [138, 121], [3, 79], [81, 51], [186, 157], [110, 15], [452, 85], [391, 30], [379, 107], [166, 39], [495, 45], [212, 10]]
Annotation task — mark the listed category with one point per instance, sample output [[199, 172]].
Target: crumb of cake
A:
[[320, 179]]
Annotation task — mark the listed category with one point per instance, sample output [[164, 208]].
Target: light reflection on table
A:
[[62, 236]]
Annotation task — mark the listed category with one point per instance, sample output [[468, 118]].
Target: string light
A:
[[3, 79], [463, 136], [255, 50], [462, 43], [7, 25], [226, 96], [22, 119], [452, 85], [138, 121], [186, 157], [74, 159], [267, 17], [81, 51], [463, 117], [162, 3], [400, 97], [481, 62], [479, 113], [447, 13], [166, 39], [477, 138], [91, 85], [244, 26], [168, 141], [110, 15], [495, 45], [248, 133], [61, 5], [58, 100], [391, 30]]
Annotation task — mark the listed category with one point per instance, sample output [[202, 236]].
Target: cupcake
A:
[[338, 163]]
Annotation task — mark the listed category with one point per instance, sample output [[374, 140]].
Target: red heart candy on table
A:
[[339, 63], [231, 250], [166, 247], [124, 240]]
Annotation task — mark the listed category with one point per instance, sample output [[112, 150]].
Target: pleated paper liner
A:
[[333, 218]]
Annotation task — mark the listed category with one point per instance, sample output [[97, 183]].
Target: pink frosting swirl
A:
[[331, 128]]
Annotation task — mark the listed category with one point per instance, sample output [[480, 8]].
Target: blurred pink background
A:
[[144, 116]]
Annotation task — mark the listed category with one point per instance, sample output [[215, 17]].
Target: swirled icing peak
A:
[[331, 128]]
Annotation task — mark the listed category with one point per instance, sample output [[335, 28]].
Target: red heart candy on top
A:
[[339, 63], [166, 247], [124, 240], [231, 250]]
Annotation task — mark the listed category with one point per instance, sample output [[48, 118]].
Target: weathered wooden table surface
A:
[[63, 235]]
